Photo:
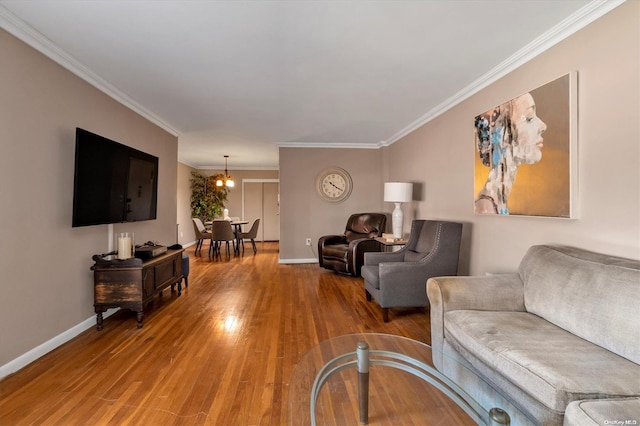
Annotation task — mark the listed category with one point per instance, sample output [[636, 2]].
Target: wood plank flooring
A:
[[220, 354]]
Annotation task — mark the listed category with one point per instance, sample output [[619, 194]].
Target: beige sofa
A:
[[564, 328]]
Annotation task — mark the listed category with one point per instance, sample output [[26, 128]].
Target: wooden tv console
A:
[[133, 283]]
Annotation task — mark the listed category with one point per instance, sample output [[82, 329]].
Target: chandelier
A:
[[228, 180]]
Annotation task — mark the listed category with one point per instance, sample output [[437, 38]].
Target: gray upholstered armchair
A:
[[398, 279], [345, 253]]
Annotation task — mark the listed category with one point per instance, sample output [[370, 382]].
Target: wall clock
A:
[[334, 184]]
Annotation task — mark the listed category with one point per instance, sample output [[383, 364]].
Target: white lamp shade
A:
[[398, 192]]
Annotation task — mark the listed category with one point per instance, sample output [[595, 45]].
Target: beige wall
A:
[[439, 158], [186, 234], [234, 199], [47, 287], [440, 155], [304, 214]]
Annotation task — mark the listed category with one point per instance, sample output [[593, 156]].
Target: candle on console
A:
[[124, 246]]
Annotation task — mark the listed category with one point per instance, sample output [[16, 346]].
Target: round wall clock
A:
[[334, 184]]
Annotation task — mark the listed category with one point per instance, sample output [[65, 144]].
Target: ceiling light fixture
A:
[[228, 180]]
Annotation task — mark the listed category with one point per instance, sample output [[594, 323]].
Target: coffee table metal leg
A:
[[498, 416], [362, 354]]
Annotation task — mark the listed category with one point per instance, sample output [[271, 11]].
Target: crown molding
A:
[[363, 145], [186, 163], [25, 32], [572, 24], [220, 168], [555, 35]]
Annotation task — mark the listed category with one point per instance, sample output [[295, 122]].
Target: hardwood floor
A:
[[220, 354]]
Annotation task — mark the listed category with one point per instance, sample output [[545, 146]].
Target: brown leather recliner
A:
[[345, 253]]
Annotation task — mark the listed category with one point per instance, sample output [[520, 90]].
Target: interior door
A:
[[261, 202], [253, 205], [271, 211]]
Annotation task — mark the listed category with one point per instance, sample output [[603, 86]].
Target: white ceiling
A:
[[242, 77]]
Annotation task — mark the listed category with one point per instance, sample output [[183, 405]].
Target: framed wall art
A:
[[526, 153]]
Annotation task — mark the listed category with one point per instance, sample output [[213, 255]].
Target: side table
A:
[[392, 245]]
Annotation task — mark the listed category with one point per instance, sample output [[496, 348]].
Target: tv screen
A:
[[113, 183]]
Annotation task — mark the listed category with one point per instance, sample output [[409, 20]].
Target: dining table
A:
[[237, 229]]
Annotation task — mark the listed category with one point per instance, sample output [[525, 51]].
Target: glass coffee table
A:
[[378, 379]]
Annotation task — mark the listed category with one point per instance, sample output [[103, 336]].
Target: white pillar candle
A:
[[124, 246]]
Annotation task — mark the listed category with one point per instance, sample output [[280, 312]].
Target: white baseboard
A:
[[310, 260], [35, 353]]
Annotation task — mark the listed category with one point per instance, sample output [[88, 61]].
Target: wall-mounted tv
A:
[[113, 183]]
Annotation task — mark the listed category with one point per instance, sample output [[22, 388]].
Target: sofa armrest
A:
[[375, 258], [357, 250], [328, 240], [504, 292], [332, 239]]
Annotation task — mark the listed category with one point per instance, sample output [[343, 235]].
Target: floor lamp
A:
[[397, 192]]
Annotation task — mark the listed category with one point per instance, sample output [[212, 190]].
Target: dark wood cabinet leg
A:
[[179, 287], [99, 320], [139, 316]]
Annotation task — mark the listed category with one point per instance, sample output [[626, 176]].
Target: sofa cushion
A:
[[623, 411], [591, 295], [551, 364]]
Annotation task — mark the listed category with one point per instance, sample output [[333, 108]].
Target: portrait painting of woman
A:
[[523, 154]]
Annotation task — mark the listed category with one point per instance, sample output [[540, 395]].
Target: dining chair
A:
[[250, 235], [201, 233], [221, 232]]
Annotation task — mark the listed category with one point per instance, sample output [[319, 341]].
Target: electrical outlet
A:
[[308, 241]]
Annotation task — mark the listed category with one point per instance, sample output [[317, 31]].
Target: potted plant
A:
[[207, 199]]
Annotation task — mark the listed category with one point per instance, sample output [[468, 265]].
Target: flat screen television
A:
[[113, 183]]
